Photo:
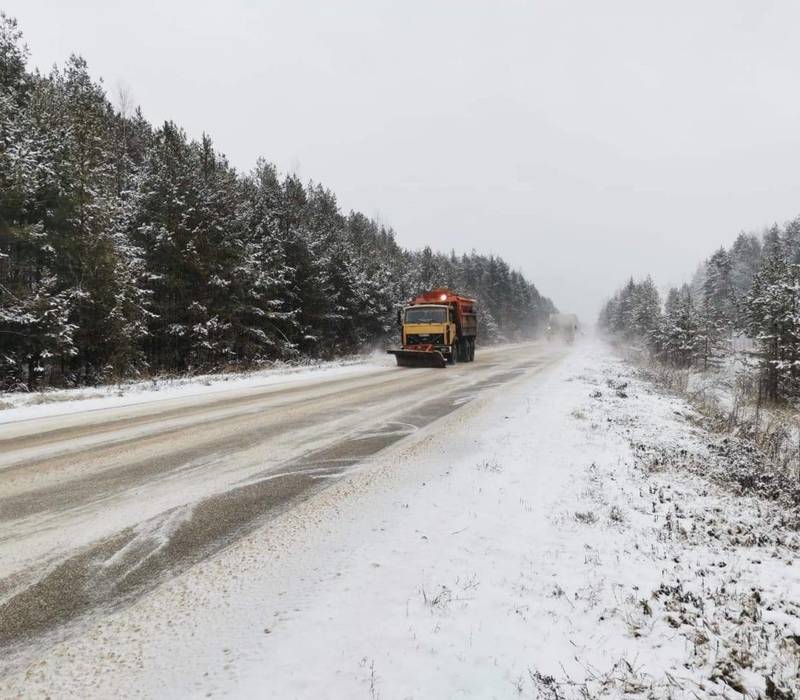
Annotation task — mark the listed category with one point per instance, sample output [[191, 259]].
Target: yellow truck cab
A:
[[430, 324]]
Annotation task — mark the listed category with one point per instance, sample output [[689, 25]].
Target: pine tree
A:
[[773, 319], [269, 324], [745, 260], [681, 337], [160, 224], [646, 311], [719, 294]]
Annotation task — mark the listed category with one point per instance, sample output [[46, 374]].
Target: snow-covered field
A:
[[556, 540]]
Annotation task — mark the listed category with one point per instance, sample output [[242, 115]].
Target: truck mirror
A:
[[399, 317]]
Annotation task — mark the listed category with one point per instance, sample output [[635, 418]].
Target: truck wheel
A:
[[472, 350], [453, 359]]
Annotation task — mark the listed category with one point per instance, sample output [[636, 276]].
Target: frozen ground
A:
[[571, 535]]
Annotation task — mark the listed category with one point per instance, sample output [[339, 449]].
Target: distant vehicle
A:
[[437, 328], [563, 326]]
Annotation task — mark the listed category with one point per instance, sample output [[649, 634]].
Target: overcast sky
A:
[[581, 141]]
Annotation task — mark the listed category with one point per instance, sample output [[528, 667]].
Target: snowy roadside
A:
[[19, 406], [554, 541], [727, 402], [15, 406]]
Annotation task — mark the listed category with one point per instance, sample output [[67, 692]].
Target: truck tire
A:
[[472, 349], [454, 350]]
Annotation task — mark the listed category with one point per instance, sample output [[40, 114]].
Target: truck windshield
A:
[[426, 314]]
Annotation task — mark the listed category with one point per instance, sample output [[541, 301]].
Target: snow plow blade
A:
[[418, 358]]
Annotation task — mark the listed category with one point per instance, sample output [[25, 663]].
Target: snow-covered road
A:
[[98, 506], [544, 540]]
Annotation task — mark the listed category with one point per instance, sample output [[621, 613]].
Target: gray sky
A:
[[582, 141]]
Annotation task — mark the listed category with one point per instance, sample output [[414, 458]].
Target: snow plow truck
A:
[[437, 328]]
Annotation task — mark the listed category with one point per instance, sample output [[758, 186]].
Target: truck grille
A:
[[425, 339]]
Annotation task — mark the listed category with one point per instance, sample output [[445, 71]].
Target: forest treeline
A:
[[127, 249], [750, 290]]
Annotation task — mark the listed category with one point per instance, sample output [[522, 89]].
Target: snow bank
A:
[[21, 406]]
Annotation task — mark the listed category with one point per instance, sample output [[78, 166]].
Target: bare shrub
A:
[[586, 517]]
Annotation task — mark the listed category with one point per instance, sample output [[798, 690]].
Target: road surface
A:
[[98, 507]]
